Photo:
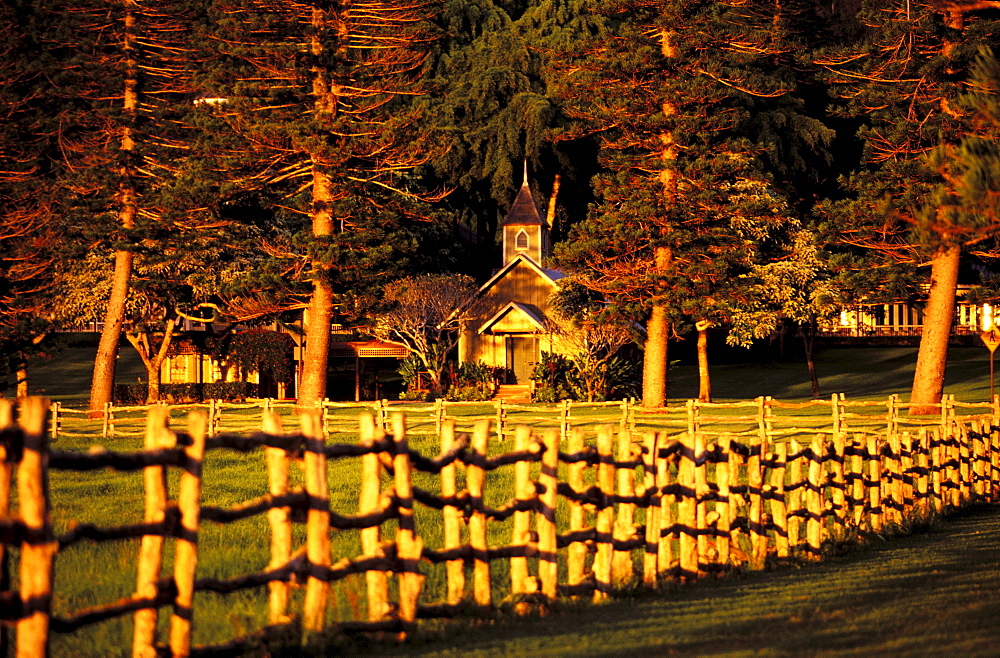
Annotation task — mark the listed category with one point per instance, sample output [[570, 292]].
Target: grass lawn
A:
[[856, 372], [932, 593]]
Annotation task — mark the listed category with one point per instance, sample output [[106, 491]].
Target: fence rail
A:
[[772, 419], [614, 506]]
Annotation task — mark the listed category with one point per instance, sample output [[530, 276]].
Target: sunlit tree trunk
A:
[[928, 378], [103, 380], [317, 350], [654, 363]]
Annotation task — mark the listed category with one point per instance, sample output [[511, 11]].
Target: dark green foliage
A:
[[266, 352], [553, 377]]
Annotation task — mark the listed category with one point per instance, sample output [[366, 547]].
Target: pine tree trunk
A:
[[103, 380], [317, 350], [654, 363], [704, 378], [928, 379], [114, 319], [312, 388]]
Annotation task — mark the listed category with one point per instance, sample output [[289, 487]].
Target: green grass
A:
[[931, 593]]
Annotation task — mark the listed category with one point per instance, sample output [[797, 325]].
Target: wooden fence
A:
[[589, 513], [773, 419]]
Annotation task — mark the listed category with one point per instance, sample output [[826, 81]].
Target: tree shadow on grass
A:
[[927, 593]]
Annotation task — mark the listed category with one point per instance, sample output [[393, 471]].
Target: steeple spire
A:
[[525, 183]]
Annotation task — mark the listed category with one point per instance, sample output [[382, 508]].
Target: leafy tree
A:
[[591, 337], [799, 287], [425, 313]]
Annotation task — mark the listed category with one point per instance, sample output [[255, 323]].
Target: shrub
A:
[[130, 394], [553, 377], [417, 395], [467, 394], [181, 393], [229, 391]]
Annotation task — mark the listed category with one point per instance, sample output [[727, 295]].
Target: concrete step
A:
[[513, 393]]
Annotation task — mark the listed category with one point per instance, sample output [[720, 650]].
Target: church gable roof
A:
[[547, 274], [515, 317]]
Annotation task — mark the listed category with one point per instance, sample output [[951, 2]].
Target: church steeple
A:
[[524, 229]]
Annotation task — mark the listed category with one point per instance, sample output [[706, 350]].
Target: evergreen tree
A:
[[118, 82], [902, 77], [668, 88], [314, 98]]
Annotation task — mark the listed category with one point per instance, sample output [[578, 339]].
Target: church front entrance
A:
[[522, 355]]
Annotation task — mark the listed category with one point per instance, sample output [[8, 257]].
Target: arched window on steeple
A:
[[521, 242]]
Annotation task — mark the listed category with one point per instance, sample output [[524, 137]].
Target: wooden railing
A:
[[615, 506], [772, 419]]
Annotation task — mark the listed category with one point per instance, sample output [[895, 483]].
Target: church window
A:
[[521, 242]]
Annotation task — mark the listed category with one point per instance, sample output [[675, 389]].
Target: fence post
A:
[[723, 505], [892, 414], [475, 479], [794, 491], [687, 509], [452, 519], [814, 498], [564, 420], [621, 560], [665, 542], [376, 582], [779, 512], [923, 474], [107, 425], [964, 463], [701, 491], [835, 413], [409, 546], [548, 555], [857, 481], [501, 419], [937, 451], [186, 551], [652, 496], [55, 424], [38, 552], [158, 437], [893, 496], [839, 495], [317, 523], [524, 491], [438, 415], [279, 518], [6, 469], [874, 457], [577, 553], [605, 512], [755, 486]]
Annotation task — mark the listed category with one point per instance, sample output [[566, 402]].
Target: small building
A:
[[514, 328]]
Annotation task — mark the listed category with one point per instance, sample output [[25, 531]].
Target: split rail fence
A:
[[589, 512], [775, 419]]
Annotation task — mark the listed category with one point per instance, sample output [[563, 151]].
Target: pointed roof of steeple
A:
[[524, 212]]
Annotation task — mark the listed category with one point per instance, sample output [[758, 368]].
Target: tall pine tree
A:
[[315, 98], [668, 89], [902, 77]]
